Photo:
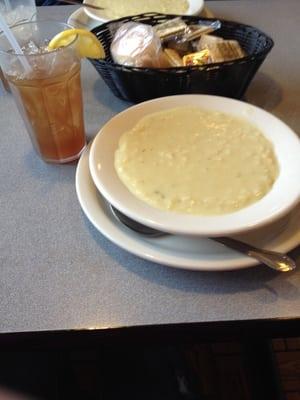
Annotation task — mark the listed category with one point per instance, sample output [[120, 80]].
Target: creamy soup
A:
[[121, 8], [196, 161]]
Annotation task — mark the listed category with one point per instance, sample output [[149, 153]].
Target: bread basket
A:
[[230, 78]]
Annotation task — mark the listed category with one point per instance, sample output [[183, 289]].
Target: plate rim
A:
[[75, 15], [241, 262]]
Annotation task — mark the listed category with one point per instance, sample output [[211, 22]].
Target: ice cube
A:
[[32, 48]]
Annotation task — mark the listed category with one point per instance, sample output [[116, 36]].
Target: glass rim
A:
[[52, 22]]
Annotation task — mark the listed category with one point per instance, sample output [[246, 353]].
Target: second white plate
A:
[[195, 8], [80, 19]]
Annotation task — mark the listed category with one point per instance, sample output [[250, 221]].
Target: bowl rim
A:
[[275, 204], [251, 57]]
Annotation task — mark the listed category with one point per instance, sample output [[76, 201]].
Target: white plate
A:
[[79, 19], [283, 196], [195, 7], [192, 253]]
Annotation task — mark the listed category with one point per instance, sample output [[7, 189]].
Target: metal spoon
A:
[[278, 261]]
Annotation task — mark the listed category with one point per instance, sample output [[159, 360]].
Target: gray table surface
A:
[[58, 272]]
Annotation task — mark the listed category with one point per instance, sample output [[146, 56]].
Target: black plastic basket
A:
[[229, 78]]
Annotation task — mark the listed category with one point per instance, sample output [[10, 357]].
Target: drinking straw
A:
[[13, 42]]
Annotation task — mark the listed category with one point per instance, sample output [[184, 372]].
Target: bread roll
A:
[[137, 45]]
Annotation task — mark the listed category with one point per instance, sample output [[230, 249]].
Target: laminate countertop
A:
[[57, 272]]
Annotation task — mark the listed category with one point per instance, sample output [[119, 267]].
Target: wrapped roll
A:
[[138, 45]]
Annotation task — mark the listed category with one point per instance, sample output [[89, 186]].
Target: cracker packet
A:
[[206, 40], [170, 29], [196, 31], [173, 57], [225, 50]]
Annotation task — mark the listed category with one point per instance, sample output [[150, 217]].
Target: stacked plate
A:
[[194, 8], [89, 18], [271, 222]]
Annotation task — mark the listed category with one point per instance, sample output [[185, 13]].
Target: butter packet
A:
[[198, 58]]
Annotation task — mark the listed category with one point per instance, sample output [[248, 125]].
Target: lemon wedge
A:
[[87, 44]]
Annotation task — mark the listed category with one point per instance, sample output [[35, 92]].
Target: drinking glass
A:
[[15, 12], [47, 90], [18, 11]]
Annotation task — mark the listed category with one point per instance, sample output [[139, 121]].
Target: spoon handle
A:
[[278, 261]]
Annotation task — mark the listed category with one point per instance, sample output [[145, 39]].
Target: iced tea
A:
[[52, 110], [48, 93]]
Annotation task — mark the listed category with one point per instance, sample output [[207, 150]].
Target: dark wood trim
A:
[[153, 334]]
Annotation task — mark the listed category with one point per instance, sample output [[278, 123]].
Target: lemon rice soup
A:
[[196, 161]]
